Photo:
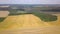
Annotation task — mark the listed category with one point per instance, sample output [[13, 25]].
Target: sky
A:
[[29, 1]]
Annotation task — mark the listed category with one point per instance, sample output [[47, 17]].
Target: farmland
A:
[[25, 21], [17, 23], [28, 23]]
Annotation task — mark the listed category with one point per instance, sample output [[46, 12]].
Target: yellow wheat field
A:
[[26, 21], [29, 24]]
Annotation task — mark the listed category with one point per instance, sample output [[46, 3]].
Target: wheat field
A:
[[29, 21]]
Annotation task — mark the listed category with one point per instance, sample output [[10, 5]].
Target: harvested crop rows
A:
[[26, 21]]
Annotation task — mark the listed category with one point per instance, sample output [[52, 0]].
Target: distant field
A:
[[4, 13]]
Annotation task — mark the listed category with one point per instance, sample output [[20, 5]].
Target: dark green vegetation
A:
[[2, 19], [17, 9], [17, 12], [42, 16], [14, 12], [45, 17]]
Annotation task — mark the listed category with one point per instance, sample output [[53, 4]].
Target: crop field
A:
[[33, 20], [23, 24], [26, 21]]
